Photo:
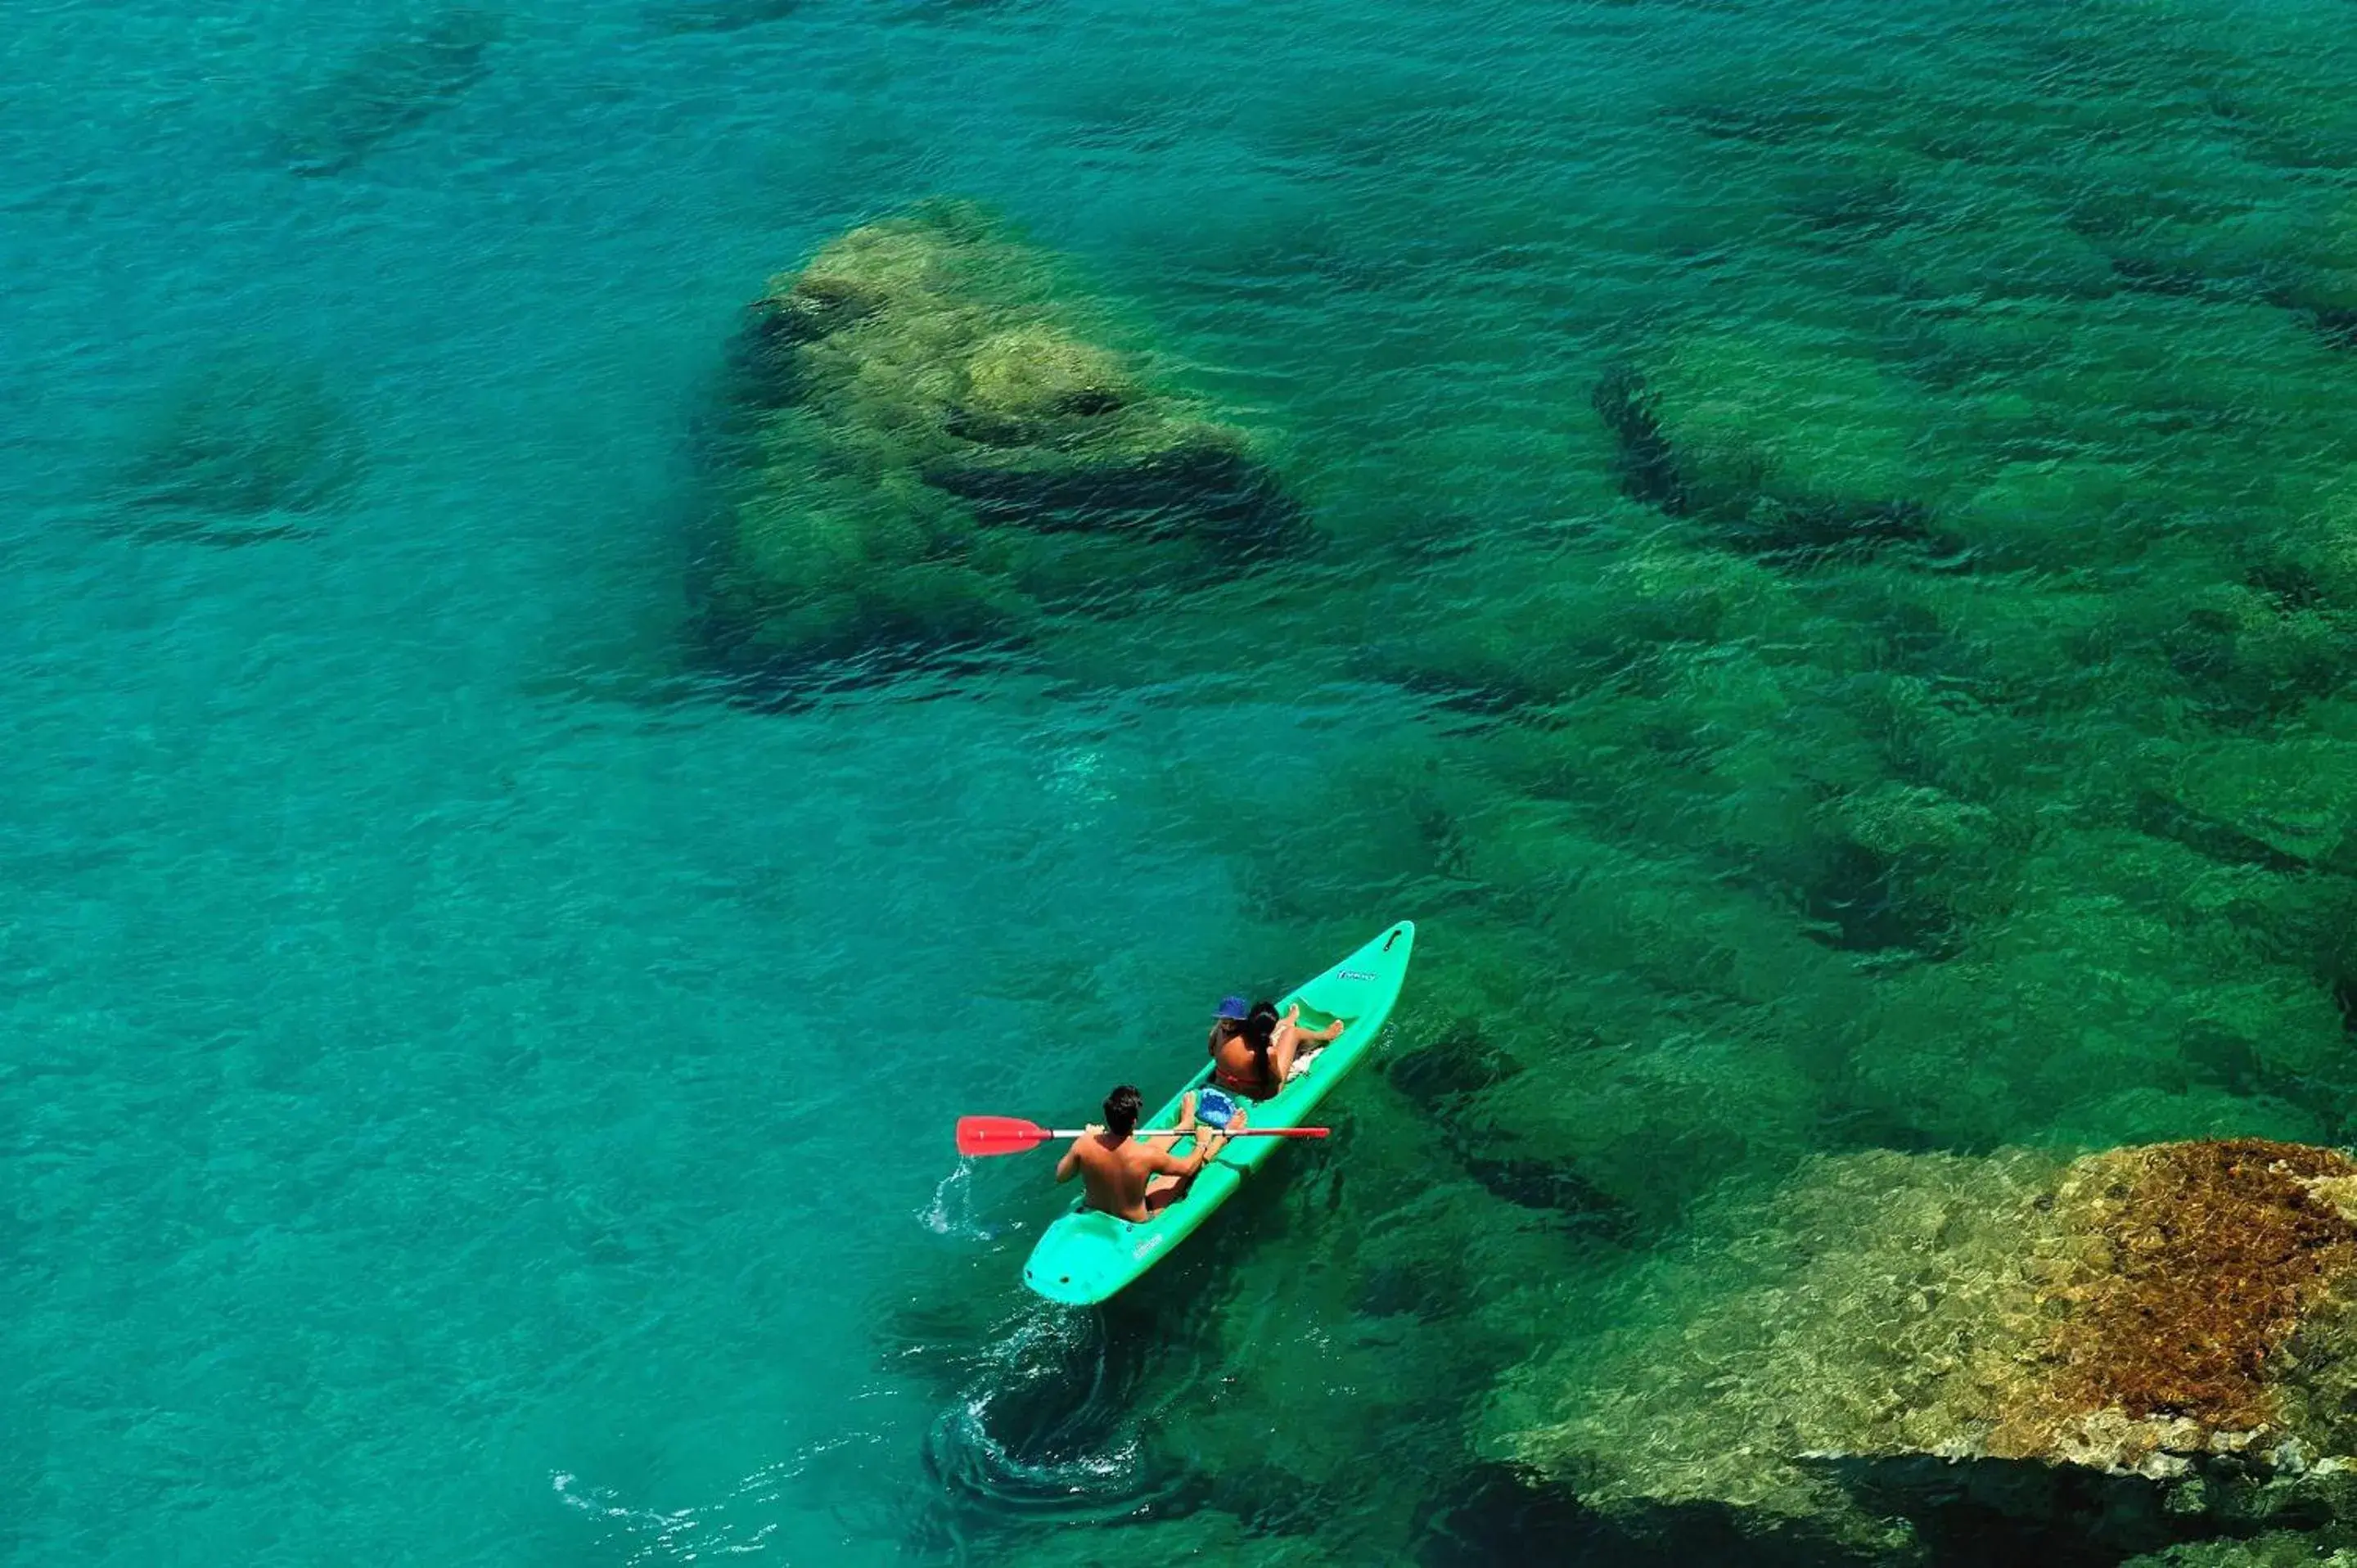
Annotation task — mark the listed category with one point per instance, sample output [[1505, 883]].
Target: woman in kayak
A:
[[1253, 1053]]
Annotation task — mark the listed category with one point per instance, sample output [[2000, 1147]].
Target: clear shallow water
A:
[[471, 1094]]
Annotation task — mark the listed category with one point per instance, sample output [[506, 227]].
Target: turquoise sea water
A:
[[470, 1091]]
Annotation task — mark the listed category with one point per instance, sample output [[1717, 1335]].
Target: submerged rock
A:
[[386, 88], [937, 446], [719, 16], [1789, 448], [240, 450], [2296, 795], [2271, 1549], [2133, 1348]]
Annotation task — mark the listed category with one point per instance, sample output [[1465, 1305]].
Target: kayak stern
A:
[[1098, 1255]]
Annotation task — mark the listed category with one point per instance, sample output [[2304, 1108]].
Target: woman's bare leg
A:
[[1291, 1047]]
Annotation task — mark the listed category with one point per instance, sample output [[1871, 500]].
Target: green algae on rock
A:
[[938, 445], [2074, 838], [2134, 1348]]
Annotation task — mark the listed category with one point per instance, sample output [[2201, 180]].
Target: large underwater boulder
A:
[[2106, 1354], [2291, 798], [938, 442], [1791, 447]]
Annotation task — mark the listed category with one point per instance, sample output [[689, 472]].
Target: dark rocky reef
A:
[[402, 79], [932, 444]]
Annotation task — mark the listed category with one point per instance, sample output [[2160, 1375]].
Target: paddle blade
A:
[[998, 1135]]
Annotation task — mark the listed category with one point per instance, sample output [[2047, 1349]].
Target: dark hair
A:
[[1260, 1034], [1121, 1108]]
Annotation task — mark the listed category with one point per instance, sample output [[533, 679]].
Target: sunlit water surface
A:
[[472, 1092]]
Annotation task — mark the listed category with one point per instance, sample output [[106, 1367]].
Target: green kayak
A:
[[1086, 1257]]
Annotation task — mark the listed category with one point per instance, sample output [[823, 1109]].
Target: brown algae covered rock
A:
[[2136, 1348], [939, 445]]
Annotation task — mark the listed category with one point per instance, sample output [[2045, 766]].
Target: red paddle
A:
[[1012, 1136]]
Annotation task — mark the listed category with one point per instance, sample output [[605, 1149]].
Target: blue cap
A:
[[1234, 1007]]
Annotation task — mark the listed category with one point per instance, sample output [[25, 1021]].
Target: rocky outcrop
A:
[[2144, 1346], [938, 445]]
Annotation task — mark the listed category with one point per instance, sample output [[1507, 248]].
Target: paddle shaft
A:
[[1012, 1134], [1239, 1133]]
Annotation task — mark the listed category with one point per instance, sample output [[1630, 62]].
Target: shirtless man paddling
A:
[[1131, 1178]]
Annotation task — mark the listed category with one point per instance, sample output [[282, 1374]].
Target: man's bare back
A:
[[1131, 1177]]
